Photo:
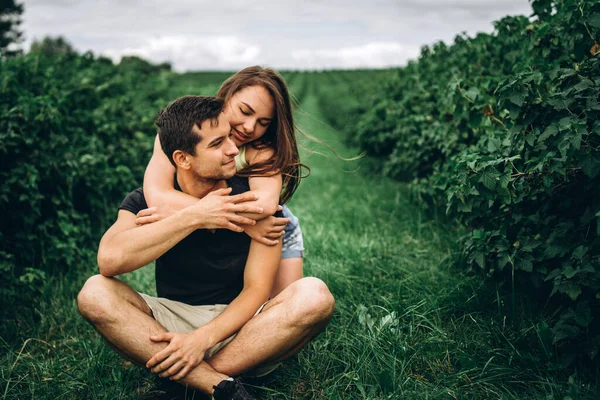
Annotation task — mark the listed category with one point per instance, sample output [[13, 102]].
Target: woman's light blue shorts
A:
[[292, 244]]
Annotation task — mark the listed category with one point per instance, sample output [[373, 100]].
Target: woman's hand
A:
[[216, 210], [184, 353], [267, 230], [153, 214]]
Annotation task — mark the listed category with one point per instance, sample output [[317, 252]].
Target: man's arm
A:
[[186, 351], [127, 246], [259, 275]]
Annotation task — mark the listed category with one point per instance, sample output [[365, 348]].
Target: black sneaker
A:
[[231, 390]]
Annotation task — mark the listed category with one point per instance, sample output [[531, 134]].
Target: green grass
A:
[[408, 323]]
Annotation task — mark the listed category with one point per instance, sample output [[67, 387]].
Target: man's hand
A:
[[267, 230], [184, 353]]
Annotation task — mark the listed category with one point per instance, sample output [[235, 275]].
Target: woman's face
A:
[[249, 112]]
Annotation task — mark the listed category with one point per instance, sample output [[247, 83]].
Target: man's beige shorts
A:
[[175, 316]]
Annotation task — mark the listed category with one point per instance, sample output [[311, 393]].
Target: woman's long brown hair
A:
[[280, 135]]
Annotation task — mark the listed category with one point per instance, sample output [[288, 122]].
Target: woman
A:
[[258, 108]]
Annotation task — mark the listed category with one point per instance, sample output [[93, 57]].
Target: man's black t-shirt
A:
[[204, 268]]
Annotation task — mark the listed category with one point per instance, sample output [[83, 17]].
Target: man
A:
[[212, 283]]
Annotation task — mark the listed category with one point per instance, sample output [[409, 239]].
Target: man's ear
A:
[[181, 159]]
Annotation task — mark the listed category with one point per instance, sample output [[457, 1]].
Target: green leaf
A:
[[479, 258], [524, 265], [565, 332], [583, 85], [590, 165], [503, 259], [464, 207], [553, 274], [594, 20], [560, 103], [573, 292], [547, 181], [472, 93], [504, 180], [488, 180], [518, 98], [551, 130], [478, 234], [493, 145], [569, 272], [580, 252]]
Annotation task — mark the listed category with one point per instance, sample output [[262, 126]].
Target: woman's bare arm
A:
[[160, 192], [159, 189], [267, 188]]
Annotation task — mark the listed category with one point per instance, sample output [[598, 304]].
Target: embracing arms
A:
[[159, 191], [127, 246]]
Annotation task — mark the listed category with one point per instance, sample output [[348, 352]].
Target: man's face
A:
[[215, 154]]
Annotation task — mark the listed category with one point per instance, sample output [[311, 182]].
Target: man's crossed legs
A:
[[285, 325]]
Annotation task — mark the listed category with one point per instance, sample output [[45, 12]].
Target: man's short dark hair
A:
[[175, 123]]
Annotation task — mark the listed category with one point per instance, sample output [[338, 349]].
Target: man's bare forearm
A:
[[140, 245], [235, 316], [259, 274]]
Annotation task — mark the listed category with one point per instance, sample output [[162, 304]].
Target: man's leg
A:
[[122, 316], [286, 324]]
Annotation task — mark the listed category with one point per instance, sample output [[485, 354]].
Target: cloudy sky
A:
[[232, 34]]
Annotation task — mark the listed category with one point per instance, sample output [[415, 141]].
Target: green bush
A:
[[75, 135], [503, 131], [343, 95]]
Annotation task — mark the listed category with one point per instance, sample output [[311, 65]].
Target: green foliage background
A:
[[502, 130], [75, 135]]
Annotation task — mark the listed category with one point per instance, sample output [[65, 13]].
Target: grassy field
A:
[[407, 325]]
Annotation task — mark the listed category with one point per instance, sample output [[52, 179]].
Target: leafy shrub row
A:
[[75, 135], [503, 130], [343, 95]]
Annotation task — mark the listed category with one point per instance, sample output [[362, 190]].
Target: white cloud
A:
[[193, 53], [230, 34], [371, 55]]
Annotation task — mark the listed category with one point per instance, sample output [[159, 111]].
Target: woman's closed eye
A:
[[263, 123]]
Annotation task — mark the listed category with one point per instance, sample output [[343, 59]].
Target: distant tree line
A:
[[10, 19]]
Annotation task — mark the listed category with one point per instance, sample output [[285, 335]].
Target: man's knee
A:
[[96, 299], [314, 303]]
